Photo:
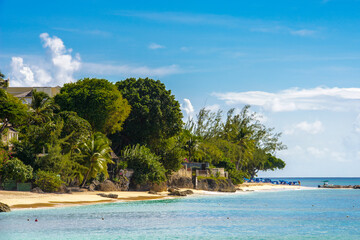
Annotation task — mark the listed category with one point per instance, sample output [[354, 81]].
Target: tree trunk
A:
[[85, 178], [238, 163]]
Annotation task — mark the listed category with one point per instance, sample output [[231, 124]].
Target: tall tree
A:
[[96, 155], [155, 113], [96, 100]]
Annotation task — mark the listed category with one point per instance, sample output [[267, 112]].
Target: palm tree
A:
[[96, 154], [42, 107]]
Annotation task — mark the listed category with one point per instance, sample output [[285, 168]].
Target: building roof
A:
[[24, 94]]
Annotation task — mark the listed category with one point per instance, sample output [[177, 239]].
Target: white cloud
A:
[[311, 128], [302, 32], [213, 108], [320, 98], [188, 108], [143, 71], [64, 63], [155, 46], [58, 72], [21, 73]]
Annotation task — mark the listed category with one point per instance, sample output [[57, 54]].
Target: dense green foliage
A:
[[75, 129], [96, 100], [145, 164], [42, 107], [48, 181], [96, 155], [171, 154], [66, 139], [14, 169], [155, 114], [240, 143], [12, 110]]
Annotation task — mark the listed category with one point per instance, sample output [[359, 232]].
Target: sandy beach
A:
[[18, 200], [23, 200]]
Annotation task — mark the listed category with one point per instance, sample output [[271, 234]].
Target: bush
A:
[[146, 165], [236, 177], [4, 157], [48, 181], [14, 169]]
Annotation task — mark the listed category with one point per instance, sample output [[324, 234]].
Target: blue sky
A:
[[295, 62]]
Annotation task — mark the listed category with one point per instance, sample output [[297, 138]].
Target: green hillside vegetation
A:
[[69, 139]]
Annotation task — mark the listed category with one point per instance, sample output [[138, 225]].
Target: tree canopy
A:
[[155, 113], [96, 100], [241, 139], [12, 110]]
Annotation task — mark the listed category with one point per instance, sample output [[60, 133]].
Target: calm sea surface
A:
[[295, 214]]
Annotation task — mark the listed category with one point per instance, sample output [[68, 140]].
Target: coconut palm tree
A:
[[42, 107], [96, 155]]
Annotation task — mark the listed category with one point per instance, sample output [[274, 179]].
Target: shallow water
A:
[[294, 214]]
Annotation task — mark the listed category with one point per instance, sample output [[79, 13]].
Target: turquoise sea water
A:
[[294, 214]]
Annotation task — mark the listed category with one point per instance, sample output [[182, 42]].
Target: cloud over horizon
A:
[[294, 99]]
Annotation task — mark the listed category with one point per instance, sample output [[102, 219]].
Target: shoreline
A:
[[267, 187], [28, 200]]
